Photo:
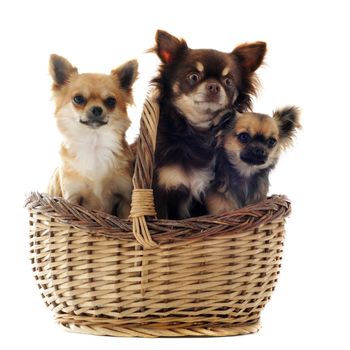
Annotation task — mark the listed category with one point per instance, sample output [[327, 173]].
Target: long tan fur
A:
[[96, 161]]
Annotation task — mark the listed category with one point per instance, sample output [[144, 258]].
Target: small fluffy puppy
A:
[[195, 86], [250, 146], [91, 115]]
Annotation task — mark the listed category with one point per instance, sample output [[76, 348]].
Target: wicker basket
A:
[[204, 276]]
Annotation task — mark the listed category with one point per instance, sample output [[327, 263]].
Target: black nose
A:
[[96, 111], [213, 88], [254, 155], [260, 153]]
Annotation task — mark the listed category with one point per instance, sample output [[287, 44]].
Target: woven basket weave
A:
[[209, 275]]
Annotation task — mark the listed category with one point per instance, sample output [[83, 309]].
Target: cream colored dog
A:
[[91, 114]]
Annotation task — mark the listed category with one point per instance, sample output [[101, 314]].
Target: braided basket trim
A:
[[103, 224]]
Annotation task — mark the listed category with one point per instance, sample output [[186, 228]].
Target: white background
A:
[[307, 64]]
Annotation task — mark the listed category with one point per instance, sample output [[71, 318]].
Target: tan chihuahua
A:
[[249, 148], [91, 114]]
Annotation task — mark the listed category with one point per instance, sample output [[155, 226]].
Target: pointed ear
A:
[[60, 69], [126, 74], [250, 56], [168, 47], [288, 121]]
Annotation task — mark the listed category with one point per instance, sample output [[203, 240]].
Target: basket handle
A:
[[142, 201]]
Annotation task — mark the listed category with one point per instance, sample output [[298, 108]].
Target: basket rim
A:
[[102, 224]]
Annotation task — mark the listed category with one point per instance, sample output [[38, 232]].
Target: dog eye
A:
[[79, 99], [243, 137], [271, 142], [228, 82], [110, 102], [193, 78]]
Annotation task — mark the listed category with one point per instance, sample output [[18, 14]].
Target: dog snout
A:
[[213, 88], [260, 153], [254, 155], [95, 117], [96, 111]]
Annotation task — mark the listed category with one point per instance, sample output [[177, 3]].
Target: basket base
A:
[[139, 331]]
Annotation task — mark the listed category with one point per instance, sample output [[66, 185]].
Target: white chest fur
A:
[[94, 151]]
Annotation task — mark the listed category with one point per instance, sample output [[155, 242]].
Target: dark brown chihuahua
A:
[[195, 86], [250, 146]]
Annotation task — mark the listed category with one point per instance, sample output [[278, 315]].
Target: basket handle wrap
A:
[[142, 201]]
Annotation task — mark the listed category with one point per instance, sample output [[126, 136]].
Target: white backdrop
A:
[[307, 65]]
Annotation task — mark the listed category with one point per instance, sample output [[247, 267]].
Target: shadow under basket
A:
[[203, 276]]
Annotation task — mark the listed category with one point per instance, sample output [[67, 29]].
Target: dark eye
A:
[[243, 137], [228, 82], [110, 102], [79, 99], [271, 142], [193, 78]]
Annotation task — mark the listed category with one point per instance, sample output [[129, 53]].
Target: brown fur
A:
[[96, 161], [253, 124], [195, 86], [242, 168]]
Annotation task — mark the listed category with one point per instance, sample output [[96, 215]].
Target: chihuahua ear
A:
[[250, 56], [168, 46], [126, 74], [60, 69], [288, 120]]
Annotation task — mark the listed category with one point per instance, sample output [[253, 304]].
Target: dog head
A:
[[202, 82], [255, 141], [91, 100]]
